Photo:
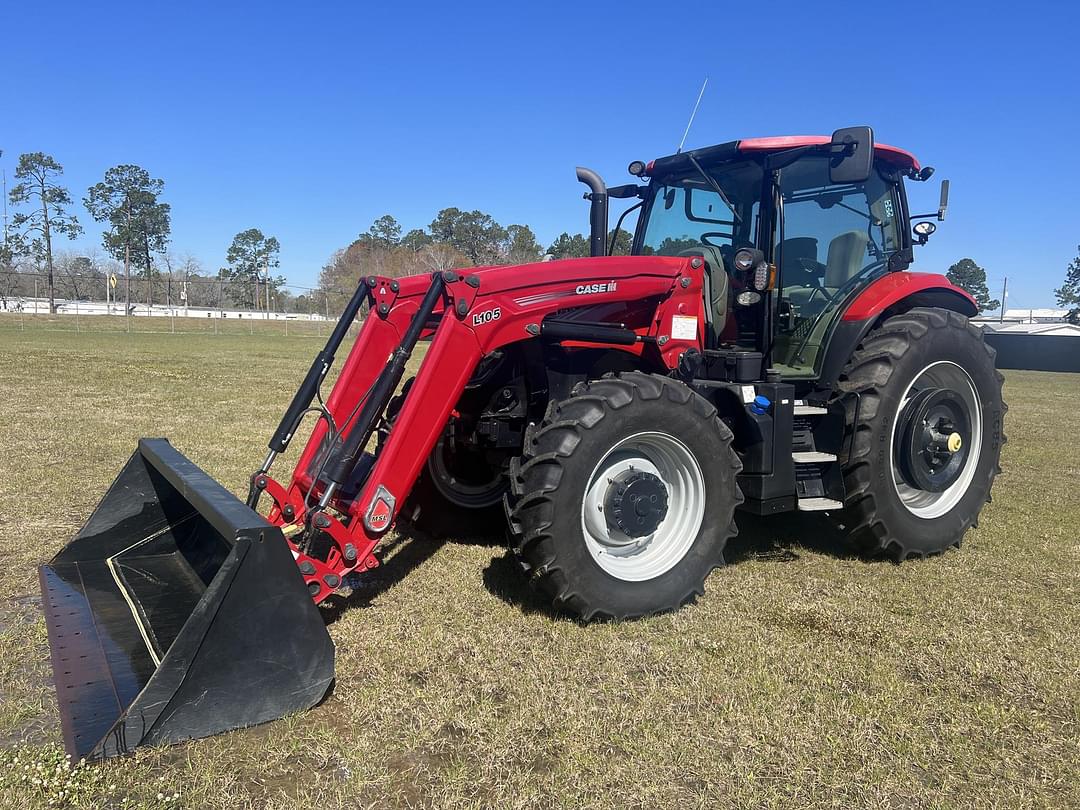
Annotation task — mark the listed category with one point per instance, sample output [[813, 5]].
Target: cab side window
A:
[[832, 236]]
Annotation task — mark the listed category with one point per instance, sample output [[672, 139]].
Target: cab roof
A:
[[731, 150]]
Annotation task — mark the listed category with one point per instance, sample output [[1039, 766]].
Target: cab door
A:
[[833, 239]]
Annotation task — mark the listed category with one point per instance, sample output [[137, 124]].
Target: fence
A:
[[164, 292], [1035, 352], [94, 317]]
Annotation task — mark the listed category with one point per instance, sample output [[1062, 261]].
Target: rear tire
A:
[[893, 504], [452, 499], [632, 437], [437, 510]]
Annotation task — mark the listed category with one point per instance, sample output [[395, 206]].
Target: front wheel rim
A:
[[951, 377], [635, 559]]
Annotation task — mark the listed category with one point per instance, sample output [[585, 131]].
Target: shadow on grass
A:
[[778, 538], [504, 579], [400, 557]]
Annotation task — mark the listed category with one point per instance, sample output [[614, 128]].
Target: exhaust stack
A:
[[598, 211]]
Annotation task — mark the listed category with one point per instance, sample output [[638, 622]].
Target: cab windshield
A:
[[686, 212]]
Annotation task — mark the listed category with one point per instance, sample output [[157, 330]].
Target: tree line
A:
[[136, 237], [454, 239], [128, 200]]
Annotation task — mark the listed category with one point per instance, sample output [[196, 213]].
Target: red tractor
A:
[[763, 349]]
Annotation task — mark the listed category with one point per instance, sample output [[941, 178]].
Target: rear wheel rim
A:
[[636, 559], [467, 482], [951, 377]]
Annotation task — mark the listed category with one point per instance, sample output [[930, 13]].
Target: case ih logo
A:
[[588, 289], [379, 513]]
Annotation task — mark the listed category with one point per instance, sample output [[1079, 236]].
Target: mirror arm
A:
[[781, 160], [618, 226]]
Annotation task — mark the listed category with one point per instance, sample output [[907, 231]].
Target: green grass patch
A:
[[804, 678]]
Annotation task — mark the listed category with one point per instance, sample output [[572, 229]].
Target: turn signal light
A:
[[761, 276]]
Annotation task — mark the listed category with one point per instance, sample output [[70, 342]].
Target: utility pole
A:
[[1004, 298], [5, 208]]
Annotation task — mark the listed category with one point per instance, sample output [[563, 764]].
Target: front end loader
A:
[[764, 349]]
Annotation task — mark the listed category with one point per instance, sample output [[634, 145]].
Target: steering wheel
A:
[[814, 270], [705, 237], [840, 293]]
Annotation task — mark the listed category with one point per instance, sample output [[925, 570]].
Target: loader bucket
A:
[[177, 612]]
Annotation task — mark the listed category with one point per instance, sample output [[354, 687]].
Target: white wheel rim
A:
[[638, 559], [930, 505]]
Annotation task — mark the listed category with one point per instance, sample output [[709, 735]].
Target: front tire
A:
[[624, 498], [925, 428]]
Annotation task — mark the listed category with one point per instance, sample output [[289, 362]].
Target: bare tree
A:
[[441, 256], [78, 276]]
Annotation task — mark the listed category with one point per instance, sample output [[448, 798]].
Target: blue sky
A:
[[310, 120]]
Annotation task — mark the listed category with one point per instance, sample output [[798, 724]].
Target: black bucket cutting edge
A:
[[177, 613]]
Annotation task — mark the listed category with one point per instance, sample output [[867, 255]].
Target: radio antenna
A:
[[690, 123]]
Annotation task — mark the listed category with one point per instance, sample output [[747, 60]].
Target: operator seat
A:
[[798, 277], [846, 254], [717, 289]]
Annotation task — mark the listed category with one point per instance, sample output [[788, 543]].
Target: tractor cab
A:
[[791, 230]]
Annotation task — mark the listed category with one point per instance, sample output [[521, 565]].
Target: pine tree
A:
[[969, 276], [1068, 294]]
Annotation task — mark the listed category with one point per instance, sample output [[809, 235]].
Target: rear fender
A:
[[887, 296]]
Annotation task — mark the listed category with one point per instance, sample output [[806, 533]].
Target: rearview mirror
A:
[[851, 155]]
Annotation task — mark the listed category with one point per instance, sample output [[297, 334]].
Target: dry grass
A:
[[805, 678]]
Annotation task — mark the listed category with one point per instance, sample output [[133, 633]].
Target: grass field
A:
[[804, 678]]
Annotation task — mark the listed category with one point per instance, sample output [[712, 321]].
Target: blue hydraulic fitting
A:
[[760, 405]]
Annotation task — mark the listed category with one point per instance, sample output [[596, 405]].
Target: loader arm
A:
[[336, 524]]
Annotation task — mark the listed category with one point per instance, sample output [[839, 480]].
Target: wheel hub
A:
[[636, 503], [933, 439]]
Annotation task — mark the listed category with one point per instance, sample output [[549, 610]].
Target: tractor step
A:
[[819, 504], [810, 410], [812, 457]]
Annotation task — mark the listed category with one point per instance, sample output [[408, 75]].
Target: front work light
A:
[[747, 297], [744, 259]]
